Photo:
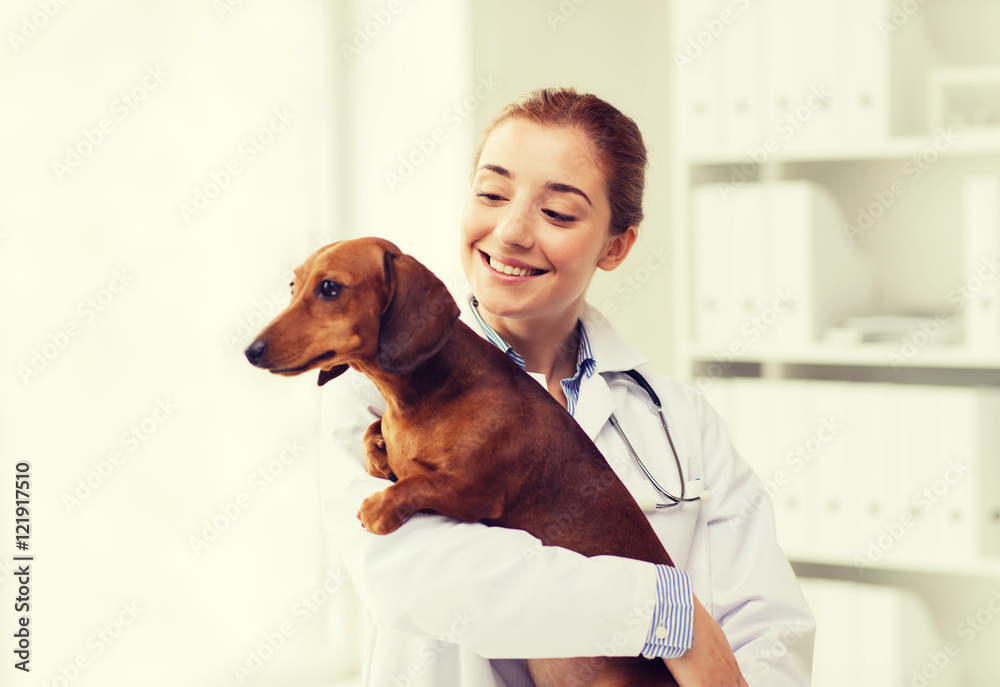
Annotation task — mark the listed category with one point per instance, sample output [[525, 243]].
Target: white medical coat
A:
[[450, 603]]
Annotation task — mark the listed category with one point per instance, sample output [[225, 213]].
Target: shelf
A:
[[986, 569], [967, 144], [872, 355]]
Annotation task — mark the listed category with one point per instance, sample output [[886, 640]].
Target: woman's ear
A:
[[618, 249]]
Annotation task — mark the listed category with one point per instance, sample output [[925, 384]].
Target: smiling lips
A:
[[510, 270]]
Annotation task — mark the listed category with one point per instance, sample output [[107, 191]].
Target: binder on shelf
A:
[[867, 52], [749, 253], [956, 452], [751, 425], [872, 636], [914, 527], [873, 469], [965, 494], [712, 229], [793, 412], [872, 474], [803, 61], [981, 253], [744, 51], [699, 58], [795, 71], [772, 265], [719, 394], [813, 260], [828, 447]]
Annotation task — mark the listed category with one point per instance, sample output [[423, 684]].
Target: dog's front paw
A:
[[378, 516], [376, 455], [377, 466]]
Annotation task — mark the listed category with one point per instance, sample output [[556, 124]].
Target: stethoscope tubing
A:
[[674, 500]]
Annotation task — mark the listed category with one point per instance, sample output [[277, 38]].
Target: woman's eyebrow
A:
[[552, 185], [497, 169], [567, 188]]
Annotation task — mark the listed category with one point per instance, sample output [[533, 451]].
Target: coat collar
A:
[[610, 353]]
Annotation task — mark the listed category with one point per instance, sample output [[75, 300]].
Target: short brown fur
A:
[[466, 433]]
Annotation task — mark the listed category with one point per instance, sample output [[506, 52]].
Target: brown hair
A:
[[616, 140]]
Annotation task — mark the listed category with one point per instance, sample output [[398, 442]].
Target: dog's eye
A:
[[329, 289]]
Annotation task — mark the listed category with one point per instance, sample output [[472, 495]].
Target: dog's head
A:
[[357, 301]]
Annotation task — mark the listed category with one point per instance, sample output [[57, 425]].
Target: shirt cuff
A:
[[672, 632]]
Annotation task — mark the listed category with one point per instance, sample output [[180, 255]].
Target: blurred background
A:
[[819, 257]]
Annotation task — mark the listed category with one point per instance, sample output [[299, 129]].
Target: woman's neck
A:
[[549, 347]]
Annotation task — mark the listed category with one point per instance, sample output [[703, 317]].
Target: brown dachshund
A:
[[466, 432]]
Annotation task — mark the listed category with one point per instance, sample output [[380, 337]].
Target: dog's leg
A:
[[376, 457], [385, 511]]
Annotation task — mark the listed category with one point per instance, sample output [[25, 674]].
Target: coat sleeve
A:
[[497, 591], [755, 595]]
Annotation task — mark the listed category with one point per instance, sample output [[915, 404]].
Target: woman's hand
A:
[[709, 662]]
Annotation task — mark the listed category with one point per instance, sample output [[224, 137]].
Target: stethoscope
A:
[[649, 504]]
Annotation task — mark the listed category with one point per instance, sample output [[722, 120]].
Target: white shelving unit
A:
[[915, 251]]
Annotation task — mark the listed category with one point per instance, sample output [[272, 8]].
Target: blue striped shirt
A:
[[672, 626], [585, 363]]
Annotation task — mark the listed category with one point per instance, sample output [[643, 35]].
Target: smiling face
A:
[[536, 223]]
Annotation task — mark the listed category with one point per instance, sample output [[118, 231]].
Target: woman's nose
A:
[[515, 227]]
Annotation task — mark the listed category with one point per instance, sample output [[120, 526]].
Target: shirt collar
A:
[[586, 364]]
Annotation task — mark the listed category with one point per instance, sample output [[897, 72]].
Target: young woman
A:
[[557, 194]]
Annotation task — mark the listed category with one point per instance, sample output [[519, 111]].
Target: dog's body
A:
[[466, 433]]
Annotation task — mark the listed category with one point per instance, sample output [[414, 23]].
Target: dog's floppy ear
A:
[[418, 318], [334, 372]]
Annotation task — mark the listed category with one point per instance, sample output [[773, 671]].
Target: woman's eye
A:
[[559, 217], [491, 196]]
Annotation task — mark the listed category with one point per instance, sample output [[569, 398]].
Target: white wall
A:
[[124, 317], [620, 52], [408, 99]]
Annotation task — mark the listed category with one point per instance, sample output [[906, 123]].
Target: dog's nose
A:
[[255, 352]]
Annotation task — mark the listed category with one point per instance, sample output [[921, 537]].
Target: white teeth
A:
[[514, 271]]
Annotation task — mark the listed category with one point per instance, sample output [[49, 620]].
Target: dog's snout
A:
[[255, 352]]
